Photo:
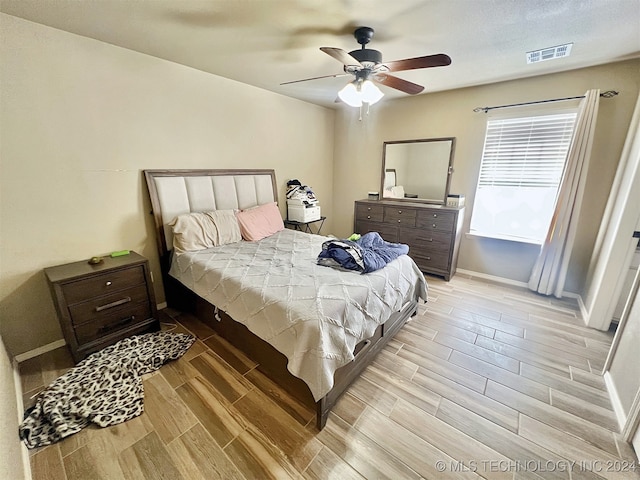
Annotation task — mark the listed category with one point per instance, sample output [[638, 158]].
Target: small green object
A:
[[120, 253], [354, 237]]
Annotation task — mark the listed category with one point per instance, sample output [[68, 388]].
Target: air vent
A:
[[549, 53]]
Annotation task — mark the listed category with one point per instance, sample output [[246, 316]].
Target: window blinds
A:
[[526, 151]]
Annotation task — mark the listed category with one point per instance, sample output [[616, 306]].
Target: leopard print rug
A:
[[105, 388]]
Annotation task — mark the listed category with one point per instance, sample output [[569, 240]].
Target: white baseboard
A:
[[26, 463], [615, 400], [39, 351], [493, 278], [583, 310], [517, 283]]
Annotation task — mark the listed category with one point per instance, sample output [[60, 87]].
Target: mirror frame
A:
[[419, 140]]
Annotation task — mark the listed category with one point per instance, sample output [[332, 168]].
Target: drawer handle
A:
[[113, 304], [115, 326], [108, 284], [399, 221], [435, 215], [368, 209], [368, 217], [434, 225], [399, 212], [428, 258]]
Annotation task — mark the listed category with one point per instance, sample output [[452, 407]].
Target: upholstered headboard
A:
[[174, 192]]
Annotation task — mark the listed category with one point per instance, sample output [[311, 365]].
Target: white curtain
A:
[[550, 271]]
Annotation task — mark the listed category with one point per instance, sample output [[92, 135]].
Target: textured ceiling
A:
[[267, 42]]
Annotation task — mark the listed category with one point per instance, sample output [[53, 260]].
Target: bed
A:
[[312, 329]]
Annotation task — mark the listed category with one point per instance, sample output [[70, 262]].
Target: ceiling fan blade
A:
[[399, 84], [316, 78], [342, 56], [439, 60]]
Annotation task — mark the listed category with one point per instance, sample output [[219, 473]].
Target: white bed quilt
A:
[[314, 315]]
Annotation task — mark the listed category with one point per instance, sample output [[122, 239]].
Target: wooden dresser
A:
[[432, 233], [99, 305]]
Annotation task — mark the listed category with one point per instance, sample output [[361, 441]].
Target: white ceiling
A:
[[267, 42]]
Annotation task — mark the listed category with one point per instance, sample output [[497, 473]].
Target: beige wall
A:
[[80, 119], [358, 155]]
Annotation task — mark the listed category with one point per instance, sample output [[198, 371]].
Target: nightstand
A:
[[98, 305]]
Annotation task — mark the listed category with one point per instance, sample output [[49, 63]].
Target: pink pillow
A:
[[260, 222]]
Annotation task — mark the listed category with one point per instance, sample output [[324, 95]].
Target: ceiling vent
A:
[[549, 53]]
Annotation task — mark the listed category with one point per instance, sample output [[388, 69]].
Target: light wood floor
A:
[[487, 381]]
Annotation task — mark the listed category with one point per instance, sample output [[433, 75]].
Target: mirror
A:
[[418, 170]]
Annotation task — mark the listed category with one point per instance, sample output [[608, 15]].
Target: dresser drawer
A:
[[366, 211], [436, 220], [109, 324], [91, 287], [107, 305], [387, 232], [425, 239], [400, 216], [427, 261]]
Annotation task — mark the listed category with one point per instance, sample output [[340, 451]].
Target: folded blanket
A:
[[105, 388], [367, 254]]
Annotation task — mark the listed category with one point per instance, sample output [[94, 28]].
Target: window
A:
[[522, 165]]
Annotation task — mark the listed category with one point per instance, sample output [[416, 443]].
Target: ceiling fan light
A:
[[350, 95], [370, 93]]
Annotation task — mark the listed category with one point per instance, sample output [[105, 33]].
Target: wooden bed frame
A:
[[271, 362]]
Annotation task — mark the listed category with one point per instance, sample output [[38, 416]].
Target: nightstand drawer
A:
[[108, 282], [107, 305], [90, 331], [101, 342]]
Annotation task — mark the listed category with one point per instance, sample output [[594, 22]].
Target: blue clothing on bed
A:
[[368, 254]]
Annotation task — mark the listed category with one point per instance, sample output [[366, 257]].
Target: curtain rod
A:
[[607, 94]]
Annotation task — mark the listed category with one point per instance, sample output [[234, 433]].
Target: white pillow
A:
[[200, 230]]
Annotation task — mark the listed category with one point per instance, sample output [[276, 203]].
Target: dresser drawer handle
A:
[[368, 217], [434, 225], [435, 215], [428, 258], [113, 304], [399, 212], [115, 326], [108, 284], [368, 209], [399, 221]]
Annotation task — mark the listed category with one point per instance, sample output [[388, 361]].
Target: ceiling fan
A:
[[367, 67]]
